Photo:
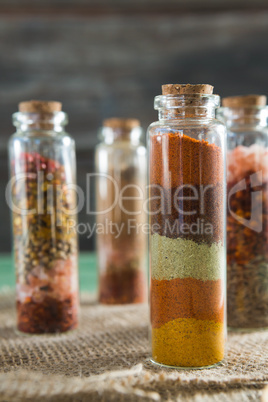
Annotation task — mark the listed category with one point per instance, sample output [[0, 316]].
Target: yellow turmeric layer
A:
[[187, 342]]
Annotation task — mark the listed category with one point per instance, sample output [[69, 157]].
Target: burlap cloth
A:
[[106, 359]]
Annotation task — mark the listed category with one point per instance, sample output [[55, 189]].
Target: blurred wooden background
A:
[[106, 58]]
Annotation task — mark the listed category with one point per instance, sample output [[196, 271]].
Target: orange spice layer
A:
[[186, 298], [188, 160]]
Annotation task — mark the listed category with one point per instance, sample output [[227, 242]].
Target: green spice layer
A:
[[180, 258]]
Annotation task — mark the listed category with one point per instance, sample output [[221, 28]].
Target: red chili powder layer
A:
[[50, 316], [186, 298], [187, 160]]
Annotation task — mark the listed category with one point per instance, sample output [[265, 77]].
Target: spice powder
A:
[[187, 269]]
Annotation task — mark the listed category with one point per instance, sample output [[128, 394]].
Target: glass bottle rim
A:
[[110, 134], [53, 119], [243, 107], [186, 100], [246, 115]]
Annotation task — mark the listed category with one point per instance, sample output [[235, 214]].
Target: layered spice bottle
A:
[[42, 164], [247, 211], [187, 222], [120, 194]]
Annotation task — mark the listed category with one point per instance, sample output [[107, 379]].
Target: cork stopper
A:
[[42, 107], [244, 101], [123, 124], [180, 89]]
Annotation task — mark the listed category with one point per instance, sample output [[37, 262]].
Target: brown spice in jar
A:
[[168, 204], [121, 256], [122, 287]]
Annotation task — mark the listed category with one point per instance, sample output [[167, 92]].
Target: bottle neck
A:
[[32, 123], [186, 113], [187, 106], [111, 135], [251, 116]]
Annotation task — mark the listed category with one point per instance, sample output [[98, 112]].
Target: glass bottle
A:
[[187, 222], [42, 200], [120, 194], [247, 211]]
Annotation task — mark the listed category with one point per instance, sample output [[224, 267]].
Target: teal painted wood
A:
[[87, 272]]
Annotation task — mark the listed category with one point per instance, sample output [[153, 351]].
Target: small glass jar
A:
[[247, 211], [42, 200], [187, 221], [120, 195]]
